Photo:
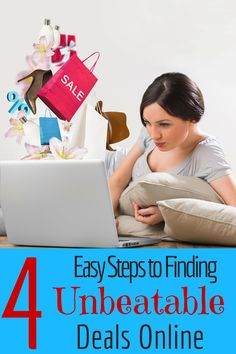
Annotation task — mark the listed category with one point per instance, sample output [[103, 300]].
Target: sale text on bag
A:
[[73, 88]]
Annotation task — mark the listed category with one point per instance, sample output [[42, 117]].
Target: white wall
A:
[[138, 40]]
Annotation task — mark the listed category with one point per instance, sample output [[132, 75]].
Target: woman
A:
[[170, 109]]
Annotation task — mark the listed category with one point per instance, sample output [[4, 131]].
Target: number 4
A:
[[32, 314]]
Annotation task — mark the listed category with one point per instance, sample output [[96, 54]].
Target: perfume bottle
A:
[[31, 130], [47, 31], [57, 37]]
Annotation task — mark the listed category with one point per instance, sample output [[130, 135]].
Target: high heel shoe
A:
[[40, 77], [117, 127]]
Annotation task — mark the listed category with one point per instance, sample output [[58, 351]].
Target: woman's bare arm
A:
[[226, 188]]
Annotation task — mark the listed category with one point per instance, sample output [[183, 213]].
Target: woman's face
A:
[[167, 132]]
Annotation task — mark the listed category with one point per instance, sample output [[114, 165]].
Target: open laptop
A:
[[60, 203]]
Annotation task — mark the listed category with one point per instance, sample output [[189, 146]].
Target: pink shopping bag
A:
[[67, 89]]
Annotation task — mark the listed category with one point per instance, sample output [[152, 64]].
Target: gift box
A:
[[65, 50]]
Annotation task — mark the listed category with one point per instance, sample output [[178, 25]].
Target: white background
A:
[[138, 40]]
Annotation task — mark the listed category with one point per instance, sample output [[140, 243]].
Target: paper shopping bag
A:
[[79, 126], [95, 134], [90, 131], [67, 89], [49, 128]]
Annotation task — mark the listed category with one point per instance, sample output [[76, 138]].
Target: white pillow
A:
[[199, 221], [129, 226], [158, 186]]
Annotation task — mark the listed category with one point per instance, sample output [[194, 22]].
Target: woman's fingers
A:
[[136, 209], [148, 211], [146, 219], [150, 215]]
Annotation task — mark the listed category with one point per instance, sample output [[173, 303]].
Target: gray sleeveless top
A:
[[206, 161]]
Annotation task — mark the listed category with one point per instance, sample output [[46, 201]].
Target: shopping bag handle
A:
[[93, 66], [45, 113]]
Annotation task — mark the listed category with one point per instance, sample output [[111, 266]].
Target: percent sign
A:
[[19, 104]]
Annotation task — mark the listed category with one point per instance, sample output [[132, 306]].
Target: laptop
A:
[[60, 204]]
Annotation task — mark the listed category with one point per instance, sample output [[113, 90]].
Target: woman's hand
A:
[[150, 215]]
